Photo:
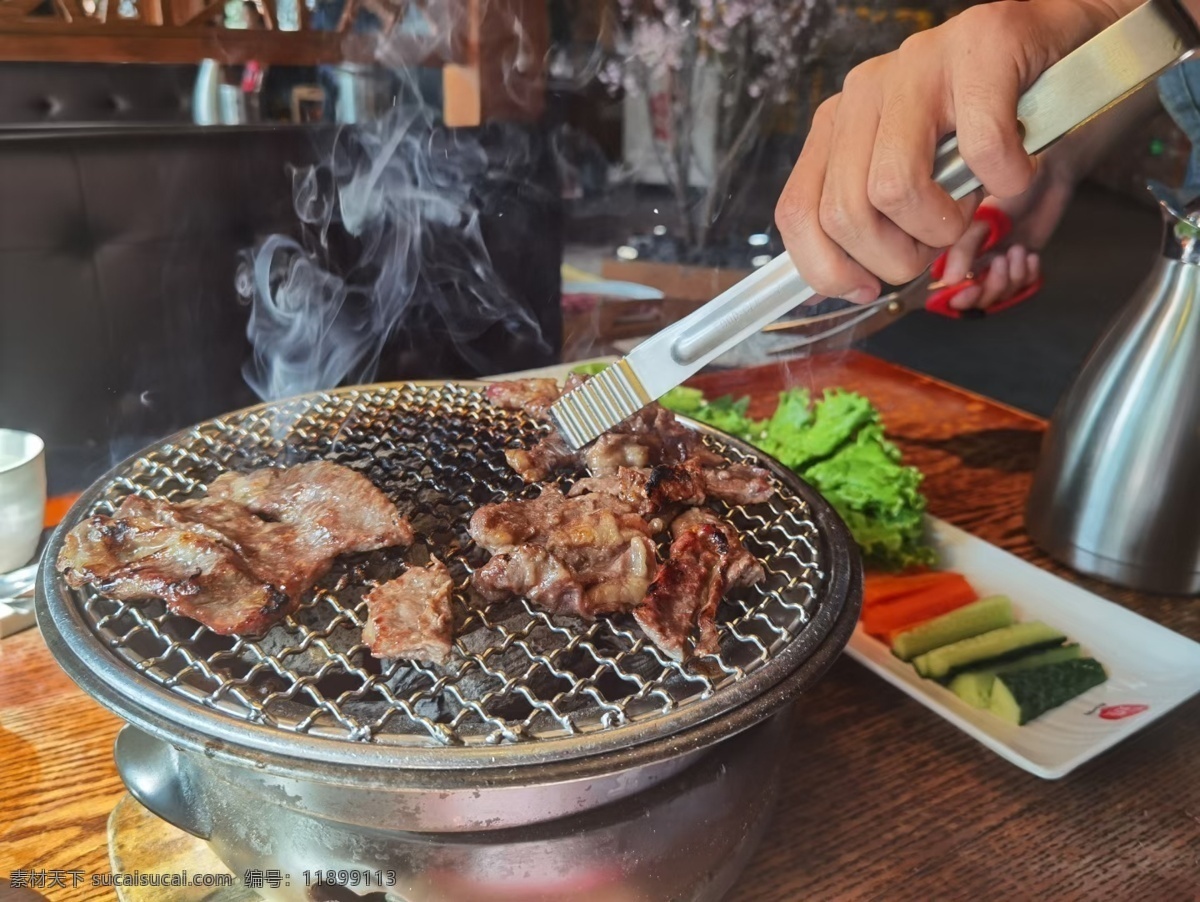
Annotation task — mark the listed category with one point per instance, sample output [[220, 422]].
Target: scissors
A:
[[928, 292], [999, 227]]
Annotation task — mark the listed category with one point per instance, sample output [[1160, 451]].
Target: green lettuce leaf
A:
[[837, 446], [798, 438], [684, 400], [879, 498], [724, 413], [729, 415]]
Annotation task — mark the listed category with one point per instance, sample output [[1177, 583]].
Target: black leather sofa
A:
[[121, 230]]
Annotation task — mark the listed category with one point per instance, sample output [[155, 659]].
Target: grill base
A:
[[687, 838]]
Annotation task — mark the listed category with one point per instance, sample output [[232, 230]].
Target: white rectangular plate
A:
[[1148, 665]]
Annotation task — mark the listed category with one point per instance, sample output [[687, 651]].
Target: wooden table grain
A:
[[881, 798]]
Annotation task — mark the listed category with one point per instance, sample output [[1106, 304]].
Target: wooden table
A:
[[881, 798]]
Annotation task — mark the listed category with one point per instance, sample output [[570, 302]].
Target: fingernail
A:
[[861, 295], [965, 298]]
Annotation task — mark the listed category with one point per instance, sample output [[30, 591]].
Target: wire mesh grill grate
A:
[[517, 675]]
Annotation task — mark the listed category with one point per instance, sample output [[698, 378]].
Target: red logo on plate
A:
[[1119, 712]]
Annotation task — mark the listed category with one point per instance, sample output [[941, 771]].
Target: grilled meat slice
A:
[[534, 396], [277, 553], [586, 556], [323, 497], [549, 455], [706, 559], [652, 489], [679, 443], [532, 571], [410, 617], [556, 521], [218, 559], [685, 595], [739, 484], [196, 574], [611, 587], [655, 489], [741, 567], [649, 438], [613, 450]]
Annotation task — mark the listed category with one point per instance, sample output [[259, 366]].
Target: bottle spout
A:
[[1181, 222]]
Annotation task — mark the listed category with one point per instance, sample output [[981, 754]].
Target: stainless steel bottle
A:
[[1117, 490]]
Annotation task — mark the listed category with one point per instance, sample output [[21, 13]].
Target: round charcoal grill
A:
[[534, 717]]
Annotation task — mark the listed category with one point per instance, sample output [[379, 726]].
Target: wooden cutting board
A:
[[139, 841]]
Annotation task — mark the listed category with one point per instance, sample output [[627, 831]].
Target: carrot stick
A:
[[881, 588], [918, 607]]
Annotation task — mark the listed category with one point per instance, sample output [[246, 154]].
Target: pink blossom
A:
[[758, 49], [758, 44]]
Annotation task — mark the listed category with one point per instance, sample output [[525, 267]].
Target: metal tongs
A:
[[1086, 82], [929, 292]]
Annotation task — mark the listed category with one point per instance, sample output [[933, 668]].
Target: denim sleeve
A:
[[1179, 90]]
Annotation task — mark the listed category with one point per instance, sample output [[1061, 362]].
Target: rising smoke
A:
[[392, 242]]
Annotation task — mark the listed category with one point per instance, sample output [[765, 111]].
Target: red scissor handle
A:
[[999, 226]]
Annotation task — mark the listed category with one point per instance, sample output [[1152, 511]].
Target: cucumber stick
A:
[[1020, 696], [997, 646], [975, 686], [978, 617]]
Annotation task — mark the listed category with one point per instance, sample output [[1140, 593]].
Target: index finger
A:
[[962, 254]]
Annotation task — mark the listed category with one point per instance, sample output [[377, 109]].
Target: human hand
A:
[[1007, 273], [1014, 267], [861, 204]]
